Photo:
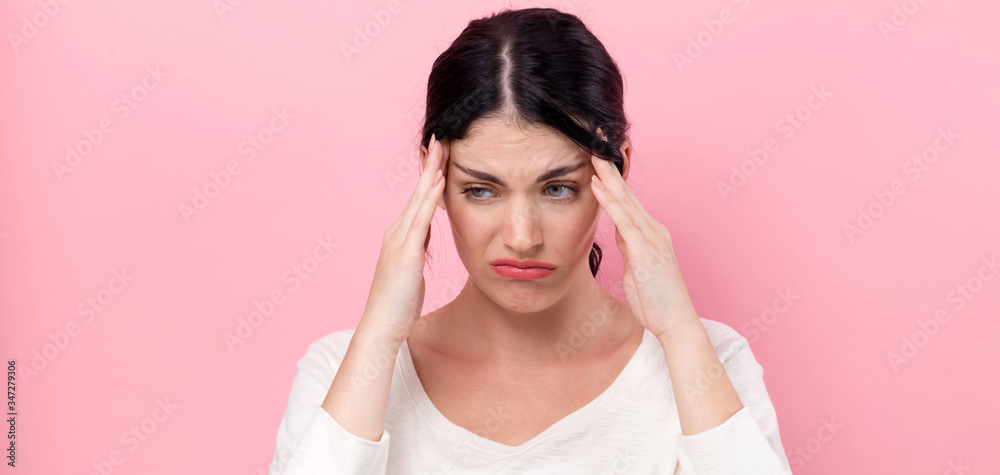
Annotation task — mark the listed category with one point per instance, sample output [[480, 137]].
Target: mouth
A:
[[516, 269], [522, 264]]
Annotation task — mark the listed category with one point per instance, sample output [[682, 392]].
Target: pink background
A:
[[345, 163]]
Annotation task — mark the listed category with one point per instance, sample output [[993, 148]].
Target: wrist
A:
[[682, 325], [375, 332]]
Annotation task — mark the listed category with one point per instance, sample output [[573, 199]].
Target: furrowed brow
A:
[[555, 172]]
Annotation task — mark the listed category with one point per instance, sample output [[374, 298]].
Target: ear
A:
[[626, 149], [445, 163]]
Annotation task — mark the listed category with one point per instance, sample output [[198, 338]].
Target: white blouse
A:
[[632, 427]]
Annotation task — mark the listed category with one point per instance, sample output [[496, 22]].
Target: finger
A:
[[444, 159], [624, 223], [618, 189], [424, 184], [421, 226], [433, 161], [616, 185]]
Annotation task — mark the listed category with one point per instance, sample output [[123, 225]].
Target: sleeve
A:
[[748, 442], [310, 440]]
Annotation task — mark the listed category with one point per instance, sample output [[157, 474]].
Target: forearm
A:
[[705, 396], [359, 394]]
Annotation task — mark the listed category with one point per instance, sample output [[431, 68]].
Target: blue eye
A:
[[473, 190], [566, 187]]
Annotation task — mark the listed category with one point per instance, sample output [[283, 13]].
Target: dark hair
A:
[[530, 66]]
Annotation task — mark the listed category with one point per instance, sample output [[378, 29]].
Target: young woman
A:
[[533, 367]]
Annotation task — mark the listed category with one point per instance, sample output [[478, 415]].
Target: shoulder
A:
[[653, 387], [329, 349], [316, 369], [733, 349], [726, 341]]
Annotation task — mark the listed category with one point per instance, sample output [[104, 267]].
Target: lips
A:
[[522, 264], [525, 270]]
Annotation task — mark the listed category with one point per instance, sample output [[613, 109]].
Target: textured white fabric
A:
[[632, 427]]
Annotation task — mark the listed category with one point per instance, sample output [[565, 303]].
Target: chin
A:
[[523, 296]]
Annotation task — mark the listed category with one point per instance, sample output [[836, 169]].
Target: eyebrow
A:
[[555, 172]]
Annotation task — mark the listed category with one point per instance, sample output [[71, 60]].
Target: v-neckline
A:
[[445, 426]]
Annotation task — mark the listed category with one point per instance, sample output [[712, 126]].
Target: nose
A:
[[521, 232]]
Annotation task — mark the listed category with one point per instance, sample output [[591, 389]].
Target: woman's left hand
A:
[[652, 280]]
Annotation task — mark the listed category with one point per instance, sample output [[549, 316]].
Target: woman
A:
[[533, 367]]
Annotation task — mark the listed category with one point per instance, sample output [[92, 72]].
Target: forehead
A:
[[495, 143]]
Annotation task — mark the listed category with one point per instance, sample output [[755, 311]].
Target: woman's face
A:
[[522, 194]]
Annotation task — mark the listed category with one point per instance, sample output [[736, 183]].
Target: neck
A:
[[582, 322]]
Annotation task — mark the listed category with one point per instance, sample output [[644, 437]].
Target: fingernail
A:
[[597, 182]]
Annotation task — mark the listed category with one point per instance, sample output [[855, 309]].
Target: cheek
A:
[[469, 225], [576, 230]]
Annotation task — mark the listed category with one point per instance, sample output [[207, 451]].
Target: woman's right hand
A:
[[397, 292]]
